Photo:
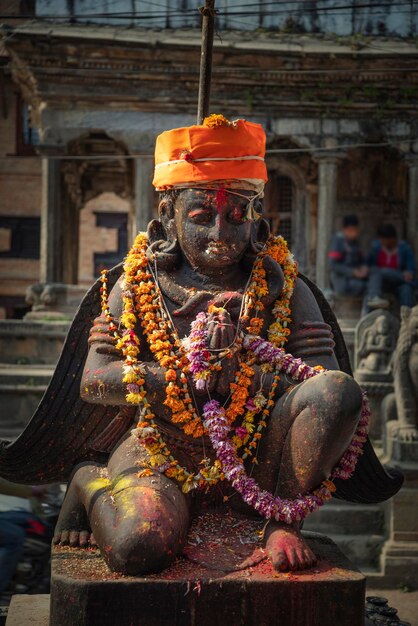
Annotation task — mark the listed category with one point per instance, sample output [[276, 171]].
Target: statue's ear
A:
[[263, 230], [163, 243], [155, 232]]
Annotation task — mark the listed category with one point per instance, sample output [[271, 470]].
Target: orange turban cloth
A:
[[217, 150]]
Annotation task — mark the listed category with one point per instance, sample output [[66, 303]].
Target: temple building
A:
[[85, 87]]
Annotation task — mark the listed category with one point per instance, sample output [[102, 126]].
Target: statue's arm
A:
[[101, 381], [311, 338]]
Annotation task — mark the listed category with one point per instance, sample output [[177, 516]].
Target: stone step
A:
[[17, 375], [362, 550], [347, 518], [26, 341], [21, 390]]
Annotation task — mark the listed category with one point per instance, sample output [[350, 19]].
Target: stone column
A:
[[51, 258], [143, 194], [327, 199], [412, 220]]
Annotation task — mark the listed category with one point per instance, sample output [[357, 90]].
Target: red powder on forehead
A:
[[220, 199]]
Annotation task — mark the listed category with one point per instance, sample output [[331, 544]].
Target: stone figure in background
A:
[[186, 340], [375, 341], [402, 405], [376, 335]]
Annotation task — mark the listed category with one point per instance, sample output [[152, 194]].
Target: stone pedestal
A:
[[53, 301], [85, 593], [399, 559]]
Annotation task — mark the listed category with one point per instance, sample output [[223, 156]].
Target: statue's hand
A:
[[229, 300], [408, 433], [221, 335]]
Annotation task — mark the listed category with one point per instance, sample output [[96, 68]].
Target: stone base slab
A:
[[85, 593]]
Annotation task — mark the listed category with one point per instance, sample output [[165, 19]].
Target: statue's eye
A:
[[201, 216], [237, 215]]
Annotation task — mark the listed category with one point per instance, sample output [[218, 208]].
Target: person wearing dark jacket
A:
[[392, 267], [348, 270]]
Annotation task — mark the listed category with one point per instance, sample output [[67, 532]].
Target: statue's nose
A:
[[217, 229]]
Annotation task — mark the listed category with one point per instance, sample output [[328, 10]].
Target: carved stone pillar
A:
[[143, 194], [412, 220], [327, 199], [51, 266]]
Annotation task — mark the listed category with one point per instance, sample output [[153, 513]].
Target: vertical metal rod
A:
[[208, 27]]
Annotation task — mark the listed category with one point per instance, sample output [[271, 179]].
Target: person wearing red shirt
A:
[[392, 268]]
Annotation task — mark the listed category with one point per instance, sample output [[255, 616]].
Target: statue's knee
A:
[[143, 552], [342, 394]]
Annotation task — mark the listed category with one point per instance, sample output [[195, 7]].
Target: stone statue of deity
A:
[[203, 370], [402, 405]]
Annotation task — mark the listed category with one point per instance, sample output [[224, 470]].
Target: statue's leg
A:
[[311, 427], [73, 527], [139, 523]]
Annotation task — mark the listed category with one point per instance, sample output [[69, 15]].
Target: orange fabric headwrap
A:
[[222, 151]]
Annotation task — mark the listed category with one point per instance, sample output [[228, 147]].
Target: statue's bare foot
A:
[[73, 527], [287, 548]]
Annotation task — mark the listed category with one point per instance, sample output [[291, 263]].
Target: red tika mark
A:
[[186, 155], [220, 199]]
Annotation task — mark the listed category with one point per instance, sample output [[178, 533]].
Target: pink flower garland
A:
[[197, 351], [262, 501]]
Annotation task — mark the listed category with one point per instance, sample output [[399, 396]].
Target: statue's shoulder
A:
[[304, 302]]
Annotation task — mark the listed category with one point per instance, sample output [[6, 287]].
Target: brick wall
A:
[[20, 195], [95, 238]]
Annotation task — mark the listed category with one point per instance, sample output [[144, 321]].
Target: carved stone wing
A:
[[371, 482], [64, 429]]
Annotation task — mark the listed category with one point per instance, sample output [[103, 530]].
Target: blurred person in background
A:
[[16, 518], [392, 268], [348, 269]]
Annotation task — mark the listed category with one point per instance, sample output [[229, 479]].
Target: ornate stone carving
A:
[[375, 342], [53, 300]]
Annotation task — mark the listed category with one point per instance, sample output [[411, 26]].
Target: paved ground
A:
[[405, 602]]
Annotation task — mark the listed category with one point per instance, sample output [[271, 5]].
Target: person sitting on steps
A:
[[392, 269]]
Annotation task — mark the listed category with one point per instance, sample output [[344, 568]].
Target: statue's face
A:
[[212, 227]]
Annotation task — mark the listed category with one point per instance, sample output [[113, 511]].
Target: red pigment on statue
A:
[[220, 199]]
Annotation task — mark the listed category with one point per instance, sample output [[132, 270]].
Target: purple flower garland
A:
[[262, 501], [197, 351]]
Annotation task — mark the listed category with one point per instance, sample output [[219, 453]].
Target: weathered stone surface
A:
[[399, 558], [85, 592], [29, 610]]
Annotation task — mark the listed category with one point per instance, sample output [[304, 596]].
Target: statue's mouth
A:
[[219, 249]]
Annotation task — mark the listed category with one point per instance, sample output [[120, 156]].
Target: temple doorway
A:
[[96, 206]]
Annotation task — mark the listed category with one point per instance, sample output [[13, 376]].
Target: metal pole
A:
[[208, 26]]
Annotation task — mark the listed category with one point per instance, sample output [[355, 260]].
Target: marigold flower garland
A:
[[141, 297]]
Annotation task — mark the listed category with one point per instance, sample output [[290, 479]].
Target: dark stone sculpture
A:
[[140, 523]]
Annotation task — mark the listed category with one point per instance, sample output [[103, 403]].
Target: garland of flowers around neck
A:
[[141, 296]]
